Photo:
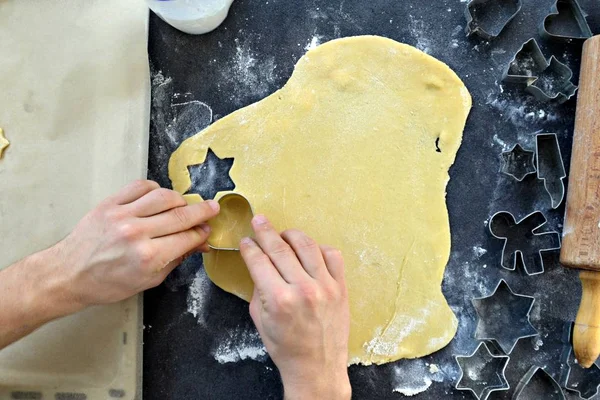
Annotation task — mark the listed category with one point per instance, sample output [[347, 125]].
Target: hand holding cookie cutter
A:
[[232, 224]]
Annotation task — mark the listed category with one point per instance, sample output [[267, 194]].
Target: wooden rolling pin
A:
[[581, 231]]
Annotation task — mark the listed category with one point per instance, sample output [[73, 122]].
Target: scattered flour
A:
[[388, 339], [458, 29], [241, 345], [251, 75], [198, 294], [501, 142], [411, 377], [418, 31], [314, 42], [479, 251], [538, 342], [520, 112], [413, 390]]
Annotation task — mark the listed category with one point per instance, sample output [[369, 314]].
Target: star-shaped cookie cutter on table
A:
[[482, 372], [518, 163], [504, 317]]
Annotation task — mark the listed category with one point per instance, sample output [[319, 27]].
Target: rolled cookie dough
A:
[[354, 150], [3, 142]]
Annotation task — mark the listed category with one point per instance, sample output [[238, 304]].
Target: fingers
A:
[[334, 262], [204, 248], [278, 251], [155, 202], [172, 247], [255, 309], [167, 269], [308, 252], [262, 271], [132, 192], [181, 219]]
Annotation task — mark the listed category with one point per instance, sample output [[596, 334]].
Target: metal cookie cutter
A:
[[527, 64], [232, 224], [518, 162], [504, 317], [546, 80], [550, 166], [521, 238], [487, 18], [554, 83], [538, 384], [565, 22], [583, 381], [482, 373]]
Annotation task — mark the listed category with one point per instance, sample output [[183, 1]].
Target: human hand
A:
[[130, 242], [300, 308]]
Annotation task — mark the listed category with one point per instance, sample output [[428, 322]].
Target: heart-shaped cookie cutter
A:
[[231, 225], [558, 31]]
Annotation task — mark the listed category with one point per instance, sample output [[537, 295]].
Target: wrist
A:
[[50, 292], [319, 386]]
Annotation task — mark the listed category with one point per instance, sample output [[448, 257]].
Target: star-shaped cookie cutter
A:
[[504, 317], [523, 239], [545, 80], [518, 163], [482, 372]]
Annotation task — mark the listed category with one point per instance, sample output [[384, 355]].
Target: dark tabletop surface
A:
[[198, 79]]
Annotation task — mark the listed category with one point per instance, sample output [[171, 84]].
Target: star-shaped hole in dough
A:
[[3, 142], [504, 317], [518, 162], [482, 372], [212, 176]]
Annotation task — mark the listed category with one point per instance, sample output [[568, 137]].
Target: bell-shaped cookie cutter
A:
[[564, 15], [223, 200], [487, 18], [482, 372], [538, 384]]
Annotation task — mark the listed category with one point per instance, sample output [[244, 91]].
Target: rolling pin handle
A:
[[586, 334]]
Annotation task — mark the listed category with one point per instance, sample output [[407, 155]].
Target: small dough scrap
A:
[[4, 143], [355, 151]]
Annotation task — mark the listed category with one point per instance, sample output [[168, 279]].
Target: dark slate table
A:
[[198, 79]]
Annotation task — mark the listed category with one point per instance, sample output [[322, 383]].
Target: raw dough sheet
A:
[[355, 151], [74, 96]]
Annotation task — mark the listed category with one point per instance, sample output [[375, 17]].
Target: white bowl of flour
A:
[[191, 16]]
